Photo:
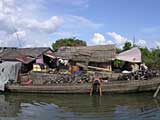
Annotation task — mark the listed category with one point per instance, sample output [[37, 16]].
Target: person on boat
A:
[[96, 85], [143, 67], [135, 67], [144, 70]]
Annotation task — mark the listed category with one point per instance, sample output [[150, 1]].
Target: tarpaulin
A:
[[40, 60], [132, 55], [8, 71]]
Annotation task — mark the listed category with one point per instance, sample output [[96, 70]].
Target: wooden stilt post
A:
[[157, 91]]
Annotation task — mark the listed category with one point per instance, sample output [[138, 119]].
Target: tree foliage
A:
[[151, 57], [68, 42], [127, 46]]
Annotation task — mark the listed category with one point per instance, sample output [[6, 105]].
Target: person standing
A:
[[96, 85]]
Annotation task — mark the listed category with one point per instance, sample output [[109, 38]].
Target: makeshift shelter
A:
[[133, 55], [98, 56], [27, 56], [8, 71]]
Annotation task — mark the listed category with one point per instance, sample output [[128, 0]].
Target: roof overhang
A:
[[25, 60]]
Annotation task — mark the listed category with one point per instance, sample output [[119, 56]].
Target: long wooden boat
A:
[[109, 87]]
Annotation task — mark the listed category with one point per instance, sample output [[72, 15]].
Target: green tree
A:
[[118, 50], [68, 42], [127, 46], [146, 56], [151, 57]]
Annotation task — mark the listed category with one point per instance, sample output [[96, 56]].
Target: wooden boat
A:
[[109, 87]]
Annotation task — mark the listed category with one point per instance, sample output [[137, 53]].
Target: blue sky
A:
[[41, 22]]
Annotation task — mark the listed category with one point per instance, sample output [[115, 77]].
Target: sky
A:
[[39, 23]]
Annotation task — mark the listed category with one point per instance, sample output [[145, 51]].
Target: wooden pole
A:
[[157, 91]]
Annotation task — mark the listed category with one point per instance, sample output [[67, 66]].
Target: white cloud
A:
[[141, 43], [12, 18], [37, 43], [20, 18], [79, 22], [8, 40], [157, 43], [109, 42], [78, 2], [7, 6], [99, 39], [26, 18], [48, 26], [64, 34], [31, 25], [117, 37], [74, 3], [120, 40], [19, 34], [6, 24], [77, 26]]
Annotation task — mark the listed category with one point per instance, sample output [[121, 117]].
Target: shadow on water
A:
[[68, 107]]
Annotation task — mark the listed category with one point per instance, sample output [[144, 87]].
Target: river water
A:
[[78, 107]]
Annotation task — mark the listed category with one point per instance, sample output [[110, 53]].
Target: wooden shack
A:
[[99, 56]]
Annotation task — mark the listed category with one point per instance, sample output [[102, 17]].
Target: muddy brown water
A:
[[78, 107]]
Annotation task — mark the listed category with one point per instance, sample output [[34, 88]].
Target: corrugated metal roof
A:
[[22, 53], [25, 60]]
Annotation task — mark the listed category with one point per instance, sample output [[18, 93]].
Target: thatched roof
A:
[[99, 53]]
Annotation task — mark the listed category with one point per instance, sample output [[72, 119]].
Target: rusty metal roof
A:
[[23, 54]]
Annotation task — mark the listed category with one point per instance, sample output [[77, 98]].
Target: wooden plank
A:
[[157, 91], [98, 68]]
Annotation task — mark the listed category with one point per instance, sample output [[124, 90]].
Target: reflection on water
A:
[[79, 107]]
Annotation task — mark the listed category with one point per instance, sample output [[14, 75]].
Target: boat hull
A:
[[110, 87]]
